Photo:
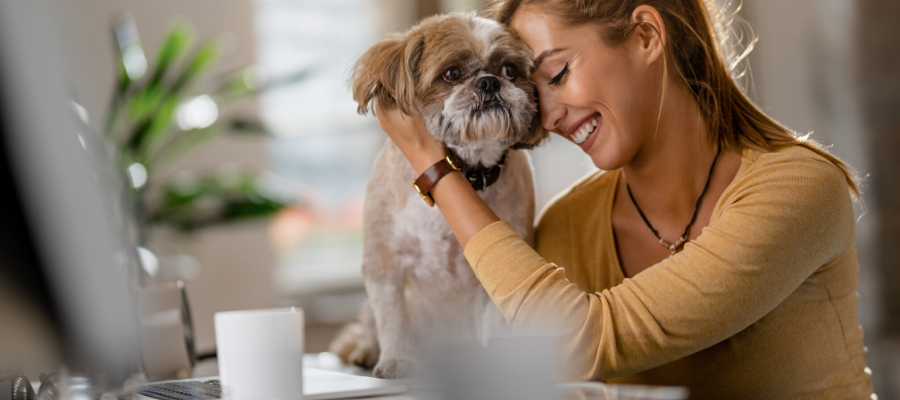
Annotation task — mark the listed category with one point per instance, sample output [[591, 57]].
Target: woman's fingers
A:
[[394, 123], [411, 136], [403, 128]]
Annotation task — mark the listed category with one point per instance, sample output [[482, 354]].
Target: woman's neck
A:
[[669, 173]]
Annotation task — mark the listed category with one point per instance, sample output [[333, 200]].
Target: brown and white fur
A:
[[420, 286]]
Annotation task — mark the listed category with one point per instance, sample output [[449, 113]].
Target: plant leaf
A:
[[207, 200], [160, 125], [248, 127], [203, 59], [173, 47], [181, 144], [236, 88], [145, 102]]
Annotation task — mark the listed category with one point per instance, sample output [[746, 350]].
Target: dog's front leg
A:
[[386, 296]]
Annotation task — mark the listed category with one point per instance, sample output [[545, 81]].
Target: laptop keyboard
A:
[[190, 390]]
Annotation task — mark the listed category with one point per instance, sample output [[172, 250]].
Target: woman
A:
[[715, 251]]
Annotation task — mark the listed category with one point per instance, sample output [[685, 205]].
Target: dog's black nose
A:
[[488, 84]]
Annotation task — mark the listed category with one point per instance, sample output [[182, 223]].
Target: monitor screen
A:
[[78, 264]]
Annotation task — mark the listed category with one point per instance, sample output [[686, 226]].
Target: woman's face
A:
[[581, 80]]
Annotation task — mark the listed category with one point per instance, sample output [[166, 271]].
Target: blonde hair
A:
[[704, 58]]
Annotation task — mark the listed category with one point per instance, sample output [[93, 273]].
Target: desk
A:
[[568, 391]]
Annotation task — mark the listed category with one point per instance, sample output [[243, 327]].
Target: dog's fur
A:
[[420, 286]]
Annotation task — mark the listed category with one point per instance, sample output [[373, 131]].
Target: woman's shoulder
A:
[[797, 163], [788, 159], [793, 196], [793, 174]]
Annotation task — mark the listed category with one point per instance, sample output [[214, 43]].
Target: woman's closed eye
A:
[[555, 80]]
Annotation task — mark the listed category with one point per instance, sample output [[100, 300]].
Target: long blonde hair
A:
[[698, 43]]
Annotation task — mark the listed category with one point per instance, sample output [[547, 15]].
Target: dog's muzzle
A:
[[489, 89], [493, 103], [488, 84]]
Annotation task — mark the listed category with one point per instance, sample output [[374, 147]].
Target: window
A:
[[322, 148], [325, 150]]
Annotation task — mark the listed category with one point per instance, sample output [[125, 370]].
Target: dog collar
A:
[[480, 177]]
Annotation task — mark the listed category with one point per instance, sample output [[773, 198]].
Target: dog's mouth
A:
[[492, 104]]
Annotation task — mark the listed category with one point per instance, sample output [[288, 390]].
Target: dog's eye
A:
[[452, 74], [509, 71]]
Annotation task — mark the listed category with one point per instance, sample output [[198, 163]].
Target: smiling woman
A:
[[735, 276]]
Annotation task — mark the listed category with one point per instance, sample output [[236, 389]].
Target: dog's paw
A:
[[353, 346], [365, 355], [393, 368]]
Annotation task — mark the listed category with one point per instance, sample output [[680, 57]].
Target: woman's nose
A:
[[552, 112]]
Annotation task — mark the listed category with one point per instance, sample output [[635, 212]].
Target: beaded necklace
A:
[[678, 244]]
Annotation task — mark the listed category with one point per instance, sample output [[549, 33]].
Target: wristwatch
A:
[[426, 181]]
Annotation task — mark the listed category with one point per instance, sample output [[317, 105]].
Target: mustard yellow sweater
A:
[[762, 305]]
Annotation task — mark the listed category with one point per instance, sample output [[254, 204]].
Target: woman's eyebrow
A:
[[540, 58]]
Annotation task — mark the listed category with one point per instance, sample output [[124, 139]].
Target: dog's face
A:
[[467, 76]]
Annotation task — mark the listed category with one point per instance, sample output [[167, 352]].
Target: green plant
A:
[[154, 118]]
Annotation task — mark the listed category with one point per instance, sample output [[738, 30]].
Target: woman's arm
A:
[[465, 212], [791, 213], [787, 217]]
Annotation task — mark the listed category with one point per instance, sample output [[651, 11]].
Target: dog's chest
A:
[[424, 243]]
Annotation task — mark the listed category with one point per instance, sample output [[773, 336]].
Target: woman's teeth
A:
[[582, 134]]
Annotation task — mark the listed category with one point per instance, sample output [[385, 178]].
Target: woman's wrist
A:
[[424, 157], [463, 209]]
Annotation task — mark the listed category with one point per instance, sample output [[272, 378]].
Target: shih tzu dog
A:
[[468, 77]]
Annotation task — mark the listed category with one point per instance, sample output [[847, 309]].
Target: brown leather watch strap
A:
[[434, 173]]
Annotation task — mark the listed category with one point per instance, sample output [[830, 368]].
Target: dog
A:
[[469, 79]]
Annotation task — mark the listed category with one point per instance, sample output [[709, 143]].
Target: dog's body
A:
[[420, 286]]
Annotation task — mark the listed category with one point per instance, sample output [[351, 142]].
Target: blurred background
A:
[[262, 206]]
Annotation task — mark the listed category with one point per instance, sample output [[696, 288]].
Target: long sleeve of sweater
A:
[[785, 216]]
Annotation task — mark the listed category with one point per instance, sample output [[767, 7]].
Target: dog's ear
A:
[[536, 133], [386, 74]]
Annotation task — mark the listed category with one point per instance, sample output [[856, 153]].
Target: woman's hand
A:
[[411, 136], [466, 213]]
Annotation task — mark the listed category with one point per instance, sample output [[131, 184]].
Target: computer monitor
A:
[[69, 234]]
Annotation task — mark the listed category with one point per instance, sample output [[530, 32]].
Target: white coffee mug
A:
[[260, 353]]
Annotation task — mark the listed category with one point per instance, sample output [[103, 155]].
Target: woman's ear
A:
[[386, 74], [649, 32]]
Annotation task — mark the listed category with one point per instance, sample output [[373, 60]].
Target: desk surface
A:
[[568, 391]]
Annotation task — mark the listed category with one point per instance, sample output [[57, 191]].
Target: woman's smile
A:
[[592, 136], [583, 132]]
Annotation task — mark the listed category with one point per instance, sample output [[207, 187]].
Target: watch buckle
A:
[[426, 197], [449, 161]]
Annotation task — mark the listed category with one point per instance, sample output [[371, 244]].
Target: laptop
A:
[[318, 384]]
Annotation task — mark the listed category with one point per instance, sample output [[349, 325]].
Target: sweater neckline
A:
[[748, 156]]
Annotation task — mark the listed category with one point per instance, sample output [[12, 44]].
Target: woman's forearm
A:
[[463, 209]]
